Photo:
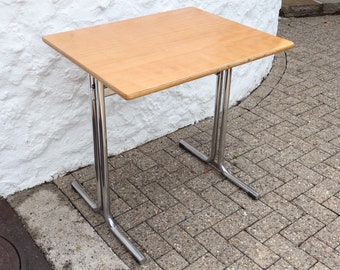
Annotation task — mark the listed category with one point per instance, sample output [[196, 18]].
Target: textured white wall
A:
[[45, 114]]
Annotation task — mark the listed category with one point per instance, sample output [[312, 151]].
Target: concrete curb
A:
[[64, 236]]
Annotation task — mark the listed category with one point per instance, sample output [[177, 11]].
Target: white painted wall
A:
[[45, 115]]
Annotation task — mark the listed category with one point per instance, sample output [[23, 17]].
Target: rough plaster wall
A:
[[45, 114]]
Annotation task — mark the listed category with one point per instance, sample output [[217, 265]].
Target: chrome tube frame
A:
[[101, 167], [219, 132]]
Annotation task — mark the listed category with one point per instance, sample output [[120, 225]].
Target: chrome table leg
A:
[[219, 132], [101, 167]]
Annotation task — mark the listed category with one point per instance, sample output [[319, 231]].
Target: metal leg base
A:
[[85, 196], [219, 132], [109, 220], [251, 192]]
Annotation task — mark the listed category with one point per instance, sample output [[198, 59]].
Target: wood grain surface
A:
[[140, 56]]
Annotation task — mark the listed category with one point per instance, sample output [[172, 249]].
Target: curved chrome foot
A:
[[193, 151], [251, 192], [133, 250], [85, 196], [109, 220]]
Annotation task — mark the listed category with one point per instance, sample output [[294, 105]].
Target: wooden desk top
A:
[[140, 56]]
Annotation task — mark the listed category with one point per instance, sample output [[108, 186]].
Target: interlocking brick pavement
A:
[[283, 141]]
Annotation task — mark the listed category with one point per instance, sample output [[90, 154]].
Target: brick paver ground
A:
[[285, 143]]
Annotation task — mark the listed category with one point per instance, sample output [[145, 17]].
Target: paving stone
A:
[[244, 264], [150, 263], [203, 137], [204, 181], [333, 204], [172, 261], [226, 187], [176, 178], [250, 168], [189, 198], [287, 209], [184, 244], [235, 223], [305, 173], [297, 143], [329, 133], [118, 161], [193, 163], [254, 249], [149, 176], [249, 141], [64, 184], [207, 123], [291, 118], [282, 128], [151, 242], [250, 103], [324, 190], [106, 234], [245, 178], [330, 234], [159, 196], [276, 170], [84, 174], [318, 111], [127, 191], [287, 155], [281, 264], [118, 207], [234, 112], [300, 108], [137, 215], [90, 187], [334, 161], [257, 126], [219, 201], [332, 119], [290, 253], [169, 218], [219, 247], [184, 133], [206, 262], [319, 266], [266, 184], [302, 229], [260, 153], [316, 210], [268, 226], [313, 158], [157, 145], [336, 142], [174, 150], [327, 171], [254, 207], [322, 252], [294, 188], [201, 221], [125, 172], [92, 217], [138, 158], [167, 161], [272, 118], [267, 138], [306, 130]]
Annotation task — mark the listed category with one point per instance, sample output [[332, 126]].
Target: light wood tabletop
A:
[[140, 56]]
